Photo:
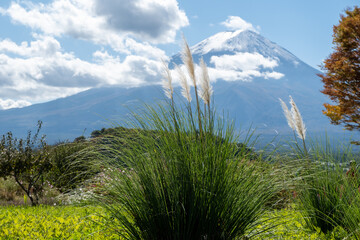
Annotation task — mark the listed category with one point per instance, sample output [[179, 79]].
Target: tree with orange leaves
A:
[[341, 76]]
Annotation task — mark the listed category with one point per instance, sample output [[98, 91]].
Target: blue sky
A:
[[55, 48]]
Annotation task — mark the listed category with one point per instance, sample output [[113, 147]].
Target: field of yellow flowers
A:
[[53, 222]]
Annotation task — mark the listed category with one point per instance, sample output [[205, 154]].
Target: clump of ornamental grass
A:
[[70, 165], [328, 189], [185, 176], [325, 190]]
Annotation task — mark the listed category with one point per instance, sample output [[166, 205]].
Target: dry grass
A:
[[12, 194]]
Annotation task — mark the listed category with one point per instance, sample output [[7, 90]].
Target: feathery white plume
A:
[[206, 89], [299, 124], [167, 82], [188, 61], [184, 84], [287, 114]]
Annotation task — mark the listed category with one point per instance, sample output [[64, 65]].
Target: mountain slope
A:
[[70, 117]]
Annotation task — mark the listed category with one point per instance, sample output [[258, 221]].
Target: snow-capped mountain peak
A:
[[215, 42], [242, 41]]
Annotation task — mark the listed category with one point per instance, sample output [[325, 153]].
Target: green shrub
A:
[[26, 161]]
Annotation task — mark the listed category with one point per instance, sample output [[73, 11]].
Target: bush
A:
[[27, 161]]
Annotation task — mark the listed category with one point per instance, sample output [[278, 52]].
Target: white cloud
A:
[[236, 75], [243, 66], [57, 18], [41, 71], [237, 23], [46, 46], [107, 22], [243, 61], [9, 103], [233, 75], [152, 20], [274, 75]]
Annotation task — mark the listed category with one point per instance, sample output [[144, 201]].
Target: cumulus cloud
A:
[[108, 22], [46, 46], [273, 75], [244, 66], [236, 75], [243, 61], [9, 103], [41, 71], [237, 23], [154, 20]]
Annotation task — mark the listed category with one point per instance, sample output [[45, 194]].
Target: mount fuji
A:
[[249, 73]]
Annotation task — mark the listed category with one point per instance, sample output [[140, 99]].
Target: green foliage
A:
[[289, 224], [352, 217], [326, 197], [70, 165], [44, 222], [27, 161]]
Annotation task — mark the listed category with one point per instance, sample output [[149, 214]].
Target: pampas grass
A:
[[295, 121], [174, 183], [327, 192]]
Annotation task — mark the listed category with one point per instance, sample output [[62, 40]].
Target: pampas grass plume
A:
[[167, 82], [288, 115], [206, 89], [184, 84], [299, 124], [294, 118], [189, 62]]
